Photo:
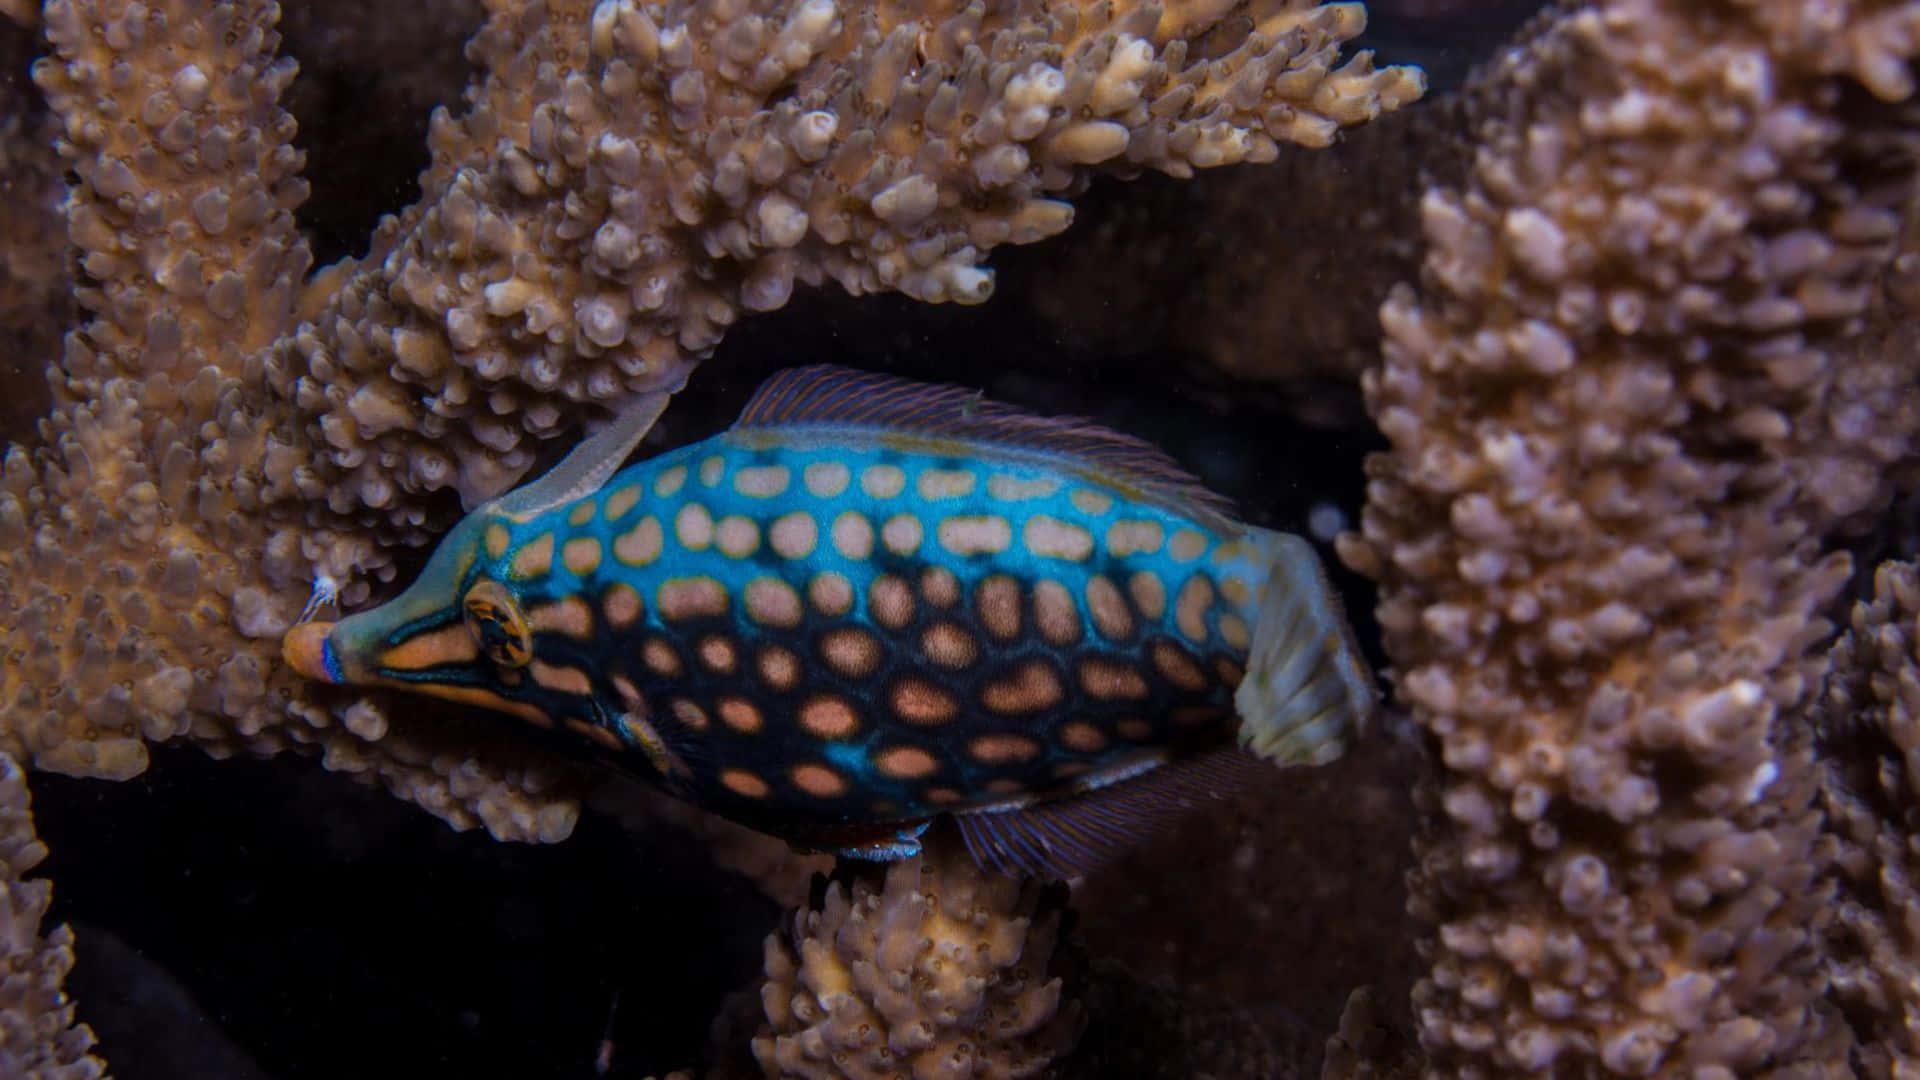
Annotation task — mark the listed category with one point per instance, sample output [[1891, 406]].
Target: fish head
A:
[[456, 633]]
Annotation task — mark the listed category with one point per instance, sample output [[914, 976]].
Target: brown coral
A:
[[943, 971], [38, 1037], [1871, 740], [696, 160], [1620, 409]]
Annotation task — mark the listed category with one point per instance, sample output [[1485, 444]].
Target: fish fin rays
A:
[[1075, 834], [828, 396], [1307, 691], [587, 467]]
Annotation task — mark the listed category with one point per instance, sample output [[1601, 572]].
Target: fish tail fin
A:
[[1307, 691]]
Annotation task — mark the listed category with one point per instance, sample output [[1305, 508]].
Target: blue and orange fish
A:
[[873, 602]]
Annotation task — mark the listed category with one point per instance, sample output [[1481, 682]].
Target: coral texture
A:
[[1871, 740], [622, 181], [1625, 407], [38, 1037], [943, 971]]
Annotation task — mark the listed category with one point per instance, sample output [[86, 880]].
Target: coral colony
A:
[[1646, 388]]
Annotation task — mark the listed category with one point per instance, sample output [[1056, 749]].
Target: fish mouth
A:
[[308, 650]]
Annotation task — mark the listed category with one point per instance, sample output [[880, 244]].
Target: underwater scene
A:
[[1010, 538]]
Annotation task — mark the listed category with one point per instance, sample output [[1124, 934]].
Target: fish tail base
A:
[[1307, 691]]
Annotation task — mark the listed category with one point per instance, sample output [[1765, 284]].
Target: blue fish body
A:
[[837, 621]]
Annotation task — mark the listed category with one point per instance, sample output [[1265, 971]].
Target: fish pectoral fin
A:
[[1073, 834]]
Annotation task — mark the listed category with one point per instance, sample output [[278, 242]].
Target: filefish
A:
[[873, 602]]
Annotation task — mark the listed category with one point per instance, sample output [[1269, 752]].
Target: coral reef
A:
[[1870, 739], [942, 971], [614, 191], [38, 1037], [1653, 377], [1625, 405], [621, 181]]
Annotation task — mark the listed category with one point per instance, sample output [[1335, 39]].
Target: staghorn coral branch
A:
[[38, 1036], [1870, 734], [628, 178], [944, 970], [1626, 405]]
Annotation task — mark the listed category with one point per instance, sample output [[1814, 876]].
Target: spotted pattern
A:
[[737, 536], [534, 558], [818, 780], [978, 534], [640, 545], [661, 657], [1031, 687], [949, 646], [831, 635], [1109, 610], [741, 715], [693, 527], [902, 534], [997, 600], [830, 593], [717, 654], [779, 668], [906, 763], [1050, 538], [851, 652], [890, 601], [883, 481], [762, 481], [828, 717], [794, 535], [497, 537], [934, 485], [1001, 749], [691, 598], [581, 555], [918, 701], [772, 602], [853, 535], [826, 479], [619, 501]]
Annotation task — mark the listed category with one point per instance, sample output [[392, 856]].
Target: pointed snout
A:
[[308, 649]]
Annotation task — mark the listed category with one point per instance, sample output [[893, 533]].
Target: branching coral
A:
[[1624, 410], [941, 972], [624, 179], [38, 1037], [1871, 739]]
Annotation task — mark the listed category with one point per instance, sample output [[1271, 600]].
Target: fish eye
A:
[[494, 619]]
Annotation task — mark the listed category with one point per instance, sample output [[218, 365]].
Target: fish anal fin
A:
[[1074, 834], [823, 395], [876, 842]]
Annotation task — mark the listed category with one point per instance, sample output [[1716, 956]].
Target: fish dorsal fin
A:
[[823, 395], [1075, 834], [587, 466]]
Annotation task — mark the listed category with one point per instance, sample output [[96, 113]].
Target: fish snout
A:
[[308, 649]]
